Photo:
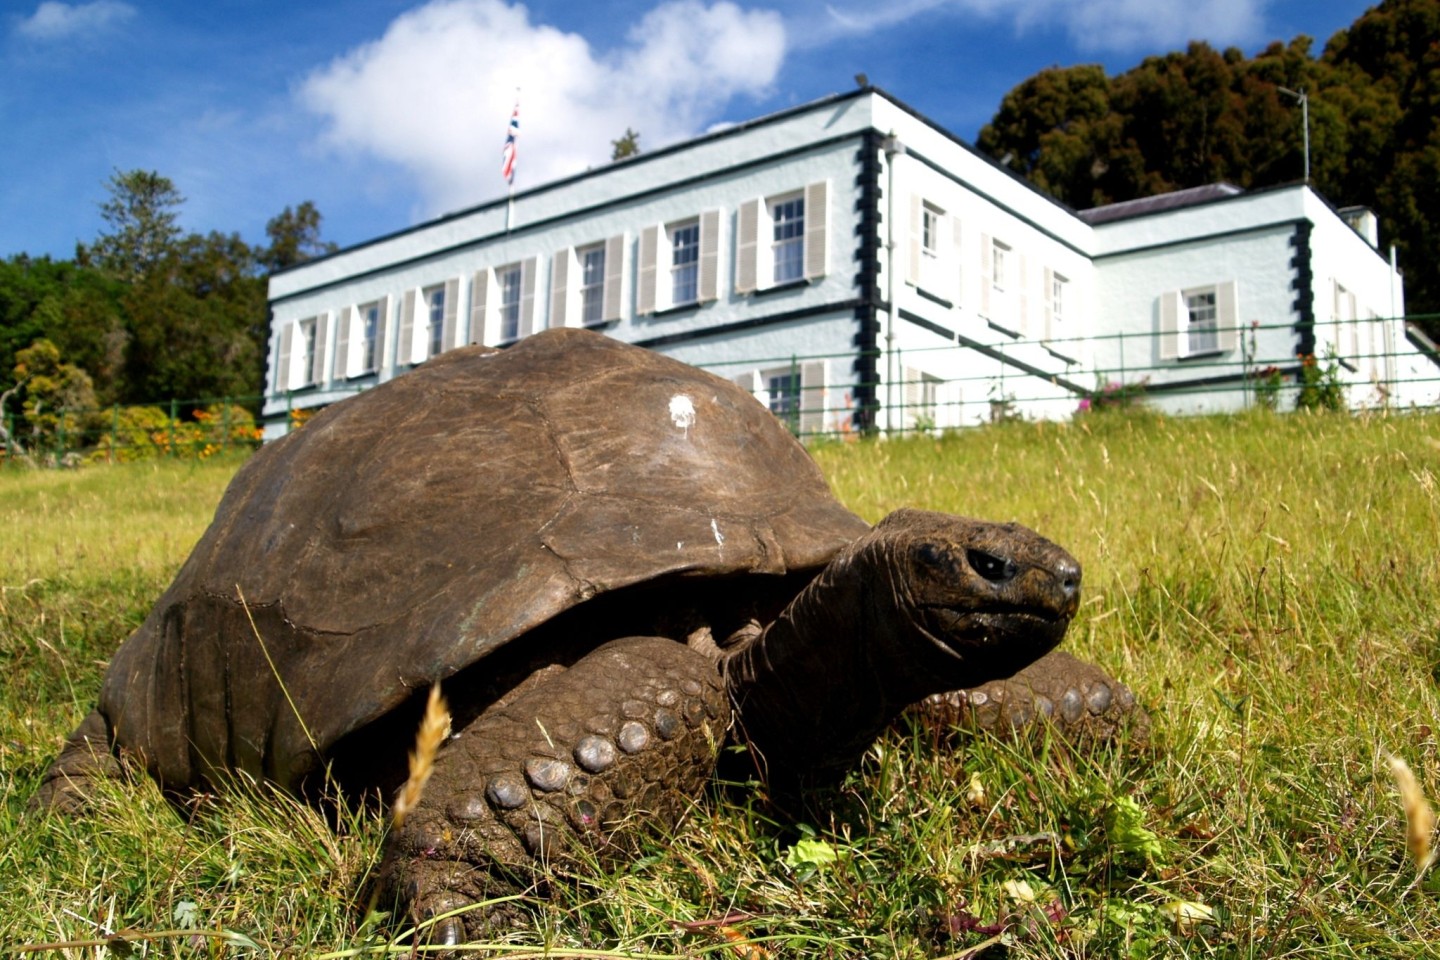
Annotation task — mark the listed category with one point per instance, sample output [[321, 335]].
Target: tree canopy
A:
[[1203, 115], [147, 312]]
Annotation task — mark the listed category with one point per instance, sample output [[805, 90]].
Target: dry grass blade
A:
[[1419, 816], [434, 728]]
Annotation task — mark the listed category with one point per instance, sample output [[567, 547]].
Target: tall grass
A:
[[1269, 586]]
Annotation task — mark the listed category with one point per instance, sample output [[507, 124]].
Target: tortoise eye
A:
[[992, 568]]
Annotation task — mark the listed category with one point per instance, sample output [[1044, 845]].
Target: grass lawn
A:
[[1268, 585]]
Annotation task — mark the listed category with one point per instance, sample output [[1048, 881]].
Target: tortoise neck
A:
[[812, 690]]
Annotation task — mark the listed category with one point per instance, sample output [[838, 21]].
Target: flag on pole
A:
[[507, 153]]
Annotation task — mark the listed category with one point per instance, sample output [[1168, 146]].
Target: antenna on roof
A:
[[1305, 120]]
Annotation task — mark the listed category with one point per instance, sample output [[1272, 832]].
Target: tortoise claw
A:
[[1077, 699]]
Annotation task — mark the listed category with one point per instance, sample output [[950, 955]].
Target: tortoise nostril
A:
[[1068, 573]]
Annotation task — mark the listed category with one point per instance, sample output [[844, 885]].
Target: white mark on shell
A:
[[682, 412], [679, 544], [719, 537]]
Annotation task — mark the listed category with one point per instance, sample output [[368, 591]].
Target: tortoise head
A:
[[983, 599]]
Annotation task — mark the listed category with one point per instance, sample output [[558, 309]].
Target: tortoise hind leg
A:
[[624, 739], [1078, 699], [86, 757]]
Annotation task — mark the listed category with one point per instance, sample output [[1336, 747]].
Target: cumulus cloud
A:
[[55, 21], [434, 93], [1108, 25]]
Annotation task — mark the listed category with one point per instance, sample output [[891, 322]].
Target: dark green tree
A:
[[627, 146], [294, 236], [142, 218]]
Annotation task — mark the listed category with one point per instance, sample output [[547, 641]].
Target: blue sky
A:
[[387, 112]]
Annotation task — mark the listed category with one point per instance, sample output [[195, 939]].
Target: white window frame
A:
[[509, 290], [368, 322], [591, 283], [309, 331], [433, 297], [1201, 321], [788, 249], [757, 248], [999, 269], [684, 278]]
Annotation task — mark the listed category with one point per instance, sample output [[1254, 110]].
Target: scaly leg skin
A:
[[86, 757], [1078, 699], [624, 739]]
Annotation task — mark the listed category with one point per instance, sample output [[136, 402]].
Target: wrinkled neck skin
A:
[[814, 689]]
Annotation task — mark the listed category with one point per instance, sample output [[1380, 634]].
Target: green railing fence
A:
[[1355, 365]]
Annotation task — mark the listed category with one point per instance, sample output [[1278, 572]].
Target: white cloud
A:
[[434, 93], [54, 21], [1110, 25]]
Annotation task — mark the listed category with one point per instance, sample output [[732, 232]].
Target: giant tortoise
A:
[[613, 561]]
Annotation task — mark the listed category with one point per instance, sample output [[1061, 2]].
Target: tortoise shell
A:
[[412, 531]]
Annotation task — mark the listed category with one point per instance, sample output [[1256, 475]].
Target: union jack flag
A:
[[507, 153]]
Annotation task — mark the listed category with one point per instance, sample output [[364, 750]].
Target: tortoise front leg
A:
[[1080, 700], [626, 738], [87, 756]]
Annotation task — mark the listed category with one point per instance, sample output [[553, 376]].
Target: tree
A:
[[1199, 116], [627, 146], [142, 216], [57, 396], [294, 238]]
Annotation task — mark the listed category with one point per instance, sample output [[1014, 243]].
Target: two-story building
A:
[[857, 266]]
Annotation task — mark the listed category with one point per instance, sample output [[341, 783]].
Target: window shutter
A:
[[1047, 297], [958, 248], [917, 212], [405, 344], [747, 251], [1353, 319], [1170, 308], [614, 278], [1227, 315], [749, 381], [1024, 319], [322, 335], [645, 296], [987, 271], [912, 396], [479, 287], [527, 297], [812, 397], [382, 333], [342, 344], [559, 273], [709, 255], [282, 366], [817, 229], [448, 333]]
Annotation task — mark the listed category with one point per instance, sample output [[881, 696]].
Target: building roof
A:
[[1174, 200]]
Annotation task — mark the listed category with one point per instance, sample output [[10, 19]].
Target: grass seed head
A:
[[434, 728], [1419, 816]]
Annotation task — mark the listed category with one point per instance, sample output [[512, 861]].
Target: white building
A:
[[857, 266]]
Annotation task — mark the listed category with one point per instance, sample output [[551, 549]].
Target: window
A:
[[788, 218], [592, 284], [781, 239], [435, 304], [684, 262], [369, 337], [1201, 325], [308, 332], [508, 279], [1057, 297], [930, 231], [782, 390], [997, 265], [922, 394]]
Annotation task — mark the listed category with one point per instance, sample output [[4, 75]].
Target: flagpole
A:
[[508, 166]]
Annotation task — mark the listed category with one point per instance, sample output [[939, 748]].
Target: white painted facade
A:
[[855, 266]]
